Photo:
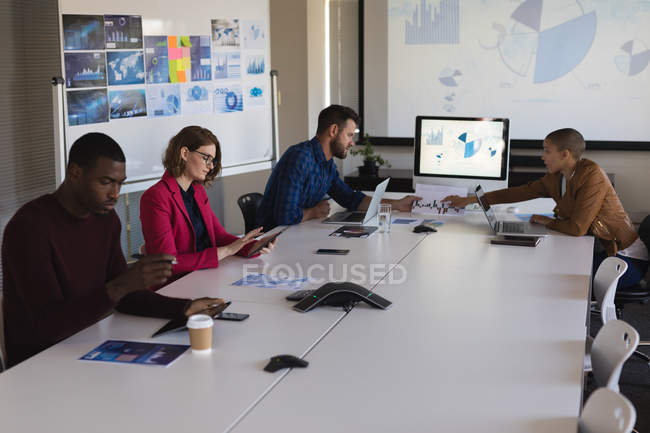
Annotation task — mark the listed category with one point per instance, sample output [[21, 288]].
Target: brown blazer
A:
[[589, 206]]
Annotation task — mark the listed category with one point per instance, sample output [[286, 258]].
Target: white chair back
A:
[[605, 282], [614, 344], [607, 411]]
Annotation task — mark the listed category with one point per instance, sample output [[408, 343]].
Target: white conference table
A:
[[506, 339], [480, 338], [54, 391]]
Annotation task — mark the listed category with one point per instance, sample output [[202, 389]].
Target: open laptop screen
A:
[[489, 212]]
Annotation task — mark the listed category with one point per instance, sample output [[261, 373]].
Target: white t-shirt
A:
[[637, 251]]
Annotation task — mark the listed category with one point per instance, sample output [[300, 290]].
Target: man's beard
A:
[[339, 149]]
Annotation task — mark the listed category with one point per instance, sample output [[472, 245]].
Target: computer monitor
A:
[[461, 151]]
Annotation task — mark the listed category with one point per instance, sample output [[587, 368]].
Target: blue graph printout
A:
[[255, 94], [87, 106], [131, 352], [225, 33], [156, 59], [226, 64], [83, 32], [195, 98], [85, 70], [228, 98], [125, 67], [254, 34], [255, 64], [200, 58], [163, 100], [123, 31], [127, 103], [434, 25], [265, 281]]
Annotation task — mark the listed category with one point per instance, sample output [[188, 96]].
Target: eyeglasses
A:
[[208, 159]]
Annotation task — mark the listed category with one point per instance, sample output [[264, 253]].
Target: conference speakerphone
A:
[[341, 294]]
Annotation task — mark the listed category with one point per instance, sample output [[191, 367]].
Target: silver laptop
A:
[[508, 228], [360, 218]]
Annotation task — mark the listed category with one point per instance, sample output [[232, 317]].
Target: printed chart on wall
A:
[[141, 78], [533, 61]]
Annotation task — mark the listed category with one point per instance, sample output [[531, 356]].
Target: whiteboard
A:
[[244, 132]]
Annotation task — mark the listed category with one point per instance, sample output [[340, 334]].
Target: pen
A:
[[140, 256]]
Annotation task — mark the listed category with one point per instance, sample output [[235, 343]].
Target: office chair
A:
[[604, 287], [638, 294], [248, 203], [614, 344], [607, 411]]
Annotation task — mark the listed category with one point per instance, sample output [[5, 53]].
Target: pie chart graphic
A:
[[450, 77], [467, 148], [634, 57], [547, 38]]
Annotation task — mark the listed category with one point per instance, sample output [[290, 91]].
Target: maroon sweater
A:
[[55, 267]]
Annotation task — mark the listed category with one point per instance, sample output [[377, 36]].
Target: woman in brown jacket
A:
[[586, 203]]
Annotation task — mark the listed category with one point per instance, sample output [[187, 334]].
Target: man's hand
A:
[[405, 204], [233, 248], [321, 210], [209, 306], [540, 219], [457, 201], [151, 270]]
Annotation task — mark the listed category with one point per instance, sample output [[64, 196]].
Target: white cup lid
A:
[[199, 321]]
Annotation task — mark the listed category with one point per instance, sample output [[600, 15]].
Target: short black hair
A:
[[89, 147], [568, 139], [336, 114]]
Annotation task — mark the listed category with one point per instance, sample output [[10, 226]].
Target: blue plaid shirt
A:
[[299, 181]]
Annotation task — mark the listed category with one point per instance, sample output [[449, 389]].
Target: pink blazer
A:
[[167, 228]]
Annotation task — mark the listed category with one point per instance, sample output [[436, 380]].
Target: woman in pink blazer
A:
[[175, 213]]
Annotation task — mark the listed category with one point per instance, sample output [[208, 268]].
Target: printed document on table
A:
[[431, 199]]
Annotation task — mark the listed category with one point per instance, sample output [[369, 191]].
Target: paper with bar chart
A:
[[432, 196]]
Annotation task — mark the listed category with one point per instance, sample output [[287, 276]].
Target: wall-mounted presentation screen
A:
[[544, 64], [461, 147]]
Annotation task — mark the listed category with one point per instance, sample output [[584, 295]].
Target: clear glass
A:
[[383, 218]]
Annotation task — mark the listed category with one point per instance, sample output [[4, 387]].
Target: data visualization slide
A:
[[123, 31], [85, 70], [545, 64], [460, 148], [125, 67]]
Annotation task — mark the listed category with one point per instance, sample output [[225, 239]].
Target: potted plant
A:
[[371, 161]]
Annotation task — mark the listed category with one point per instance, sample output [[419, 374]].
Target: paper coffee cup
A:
[[200, 327]]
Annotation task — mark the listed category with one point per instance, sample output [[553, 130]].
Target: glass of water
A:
[[383, 218]]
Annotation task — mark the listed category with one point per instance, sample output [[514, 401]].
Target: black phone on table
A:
[[238, 317], [340, 252]]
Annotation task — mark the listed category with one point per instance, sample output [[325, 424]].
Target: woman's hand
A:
[[233, 248], [540, 219], [267, 249], [457, 201]]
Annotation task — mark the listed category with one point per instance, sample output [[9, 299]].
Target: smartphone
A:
[[330, 251], [254, 251], [232, 316]]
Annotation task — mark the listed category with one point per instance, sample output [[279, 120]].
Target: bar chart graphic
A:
[[431, 25]]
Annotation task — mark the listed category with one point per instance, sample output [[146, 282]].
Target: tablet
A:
[[254, 251]]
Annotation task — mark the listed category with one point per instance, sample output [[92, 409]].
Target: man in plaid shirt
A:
[[306, 173]]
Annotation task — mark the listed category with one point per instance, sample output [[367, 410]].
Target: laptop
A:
[[508, 228], [360, 218]]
